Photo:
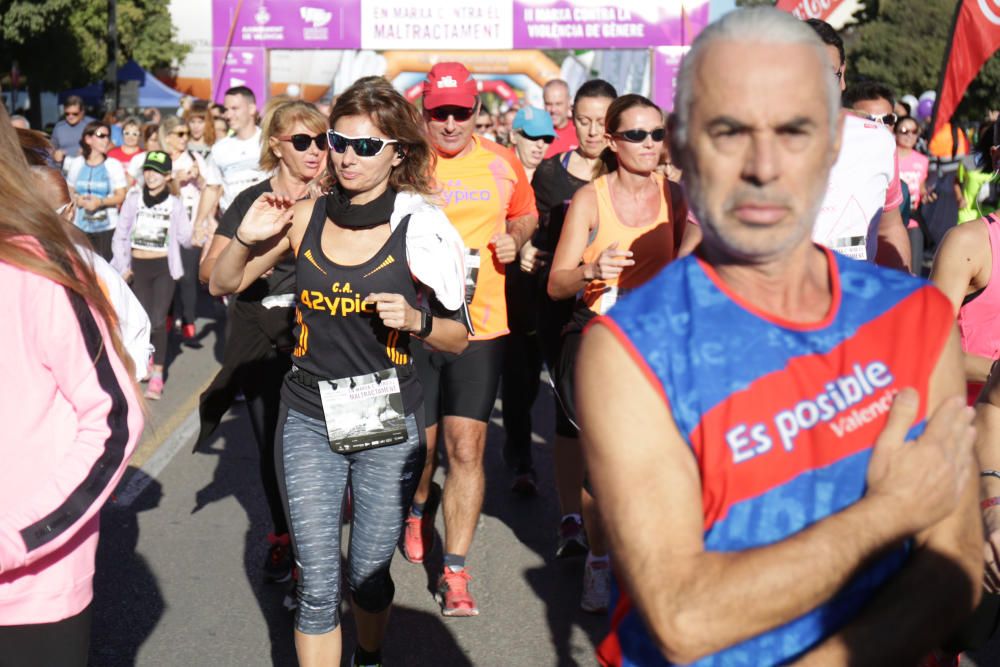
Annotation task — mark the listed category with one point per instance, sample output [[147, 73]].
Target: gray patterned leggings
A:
[[313, 481]]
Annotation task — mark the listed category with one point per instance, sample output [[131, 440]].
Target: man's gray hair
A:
[[757, 25], [21, 118]]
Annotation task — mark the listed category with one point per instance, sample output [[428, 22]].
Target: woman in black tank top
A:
[[351, 401]]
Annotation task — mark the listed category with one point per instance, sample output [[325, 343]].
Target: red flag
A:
[[809, 9], [975, 36]]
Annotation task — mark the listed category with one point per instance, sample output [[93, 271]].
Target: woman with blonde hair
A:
[[71, 417], [374, 262], [259, 341]]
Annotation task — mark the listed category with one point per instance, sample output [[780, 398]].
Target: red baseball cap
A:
[[449, 84]]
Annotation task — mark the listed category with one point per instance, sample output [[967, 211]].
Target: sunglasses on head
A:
[[546, 138], [363, 146], [639, 136], [460, 114], [883, 118], [300, 142]]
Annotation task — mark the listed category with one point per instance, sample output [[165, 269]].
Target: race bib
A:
[[151, 230], [854, 247], [364, 411]]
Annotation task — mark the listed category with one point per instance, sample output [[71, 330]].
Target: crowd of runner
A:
[[734, 375]]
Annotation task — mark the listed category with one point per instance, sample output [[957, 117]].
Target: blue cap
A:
[[534, 122]]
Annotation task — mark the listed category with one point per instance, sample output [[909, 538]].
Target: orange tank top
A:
[[652, 247]]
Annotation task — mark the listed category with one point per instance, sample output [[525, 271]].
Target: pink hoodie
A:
[[69, 420]]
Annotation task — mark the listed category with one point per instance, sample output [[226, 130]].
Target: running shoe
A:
[[572, 540], [278, 564], [596, 588], [154, 389], [417, 541], [453, 594], [188, 332], [524, 484]]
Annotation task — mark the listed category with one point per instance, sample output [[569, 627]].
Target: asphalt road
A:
[[179, 565]]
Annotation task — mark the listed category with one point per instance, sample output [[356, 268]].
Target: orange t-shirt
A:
[[481, 191], [652, 247]]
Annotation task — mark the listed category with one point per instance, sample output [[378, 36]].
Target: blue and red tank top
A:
[[781, 417]]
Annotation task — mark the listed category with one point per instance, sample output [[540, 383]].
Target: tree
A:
[[61, 44], [903, 47]]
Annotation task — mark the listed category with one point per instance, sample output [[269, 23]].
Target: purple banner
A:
[[625, 24], [287, 24], [243, 67], [666, 65]]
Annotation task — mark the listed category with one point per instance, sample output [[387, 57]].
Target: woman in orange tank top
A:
[[619, 232]]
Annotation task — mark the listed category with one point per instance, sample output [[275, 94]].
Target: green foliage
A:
[[61, 44], [903, 46]]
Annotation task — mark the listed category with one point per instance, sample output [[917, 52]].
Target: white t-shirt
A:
[[863, 183], [235, 165], [100, 181]]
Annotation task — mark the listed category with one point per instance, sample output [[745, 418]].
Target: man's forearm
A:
[[725, 598], [522, 228]]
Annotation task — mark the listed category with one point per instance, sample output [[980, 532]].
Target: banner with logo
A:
[[243, 66], [456, 24], [287, 24], [975, 36]]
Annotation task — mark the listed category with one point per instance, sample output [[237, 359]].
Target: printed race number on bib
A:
[[364, 411]]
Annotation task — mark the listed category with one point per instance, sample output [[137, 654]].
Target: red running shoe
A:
[[187, 332], [417, 540], [454, 596]]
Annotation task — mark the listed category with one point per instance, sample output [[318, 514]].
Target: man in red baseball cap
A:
[[488, 198]]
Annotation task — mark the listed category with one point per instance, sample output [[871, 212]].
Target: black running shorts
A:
[[460, 385]]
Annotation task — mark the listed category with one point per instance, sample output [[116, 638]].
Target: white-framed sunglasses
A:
[[363, 146]]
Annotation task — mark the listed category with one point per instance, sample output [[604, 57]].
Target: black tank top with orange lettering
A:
[[336, 333]]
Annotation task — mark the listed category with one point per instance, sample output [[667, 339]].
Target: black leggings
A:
[[64, 643], [186, 294], [154, 288]]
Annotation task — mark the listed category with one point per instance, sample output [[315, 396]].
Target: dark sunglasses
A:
[[363, 146], [907, 130], [300, 142], [546, 138], [180, 133], [460, 114], [100, 135], [639, 136]]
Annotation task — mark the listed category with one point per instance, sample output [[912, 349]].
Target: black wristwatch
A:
[[426, 324]]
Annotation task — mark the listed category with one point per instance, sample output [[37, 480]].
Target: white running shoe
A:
[[596, 587]]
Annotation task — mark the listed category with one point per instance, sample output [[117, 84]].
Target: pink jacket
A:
[[69, 420]]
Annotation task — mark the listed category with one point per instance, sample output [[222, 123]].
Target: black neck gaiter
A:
[[353, 216]]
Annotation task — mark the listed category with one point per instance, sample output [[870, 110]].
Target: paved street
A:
[[179, 579]]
